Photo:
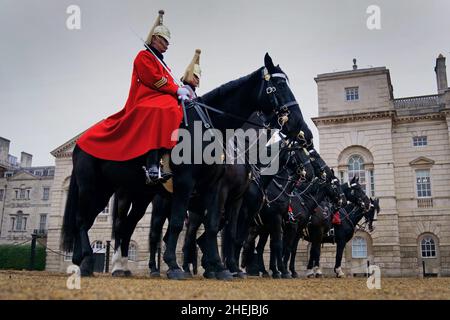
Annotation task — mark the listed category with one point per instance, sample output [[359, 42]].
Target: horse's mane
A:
[[219, 93]]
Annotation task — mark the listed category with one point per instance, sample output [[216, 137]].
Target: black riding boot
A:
[[152, 167], [152, 172]]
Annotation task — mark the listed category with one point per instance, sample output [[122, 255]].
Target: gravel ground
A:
[[44, 285]]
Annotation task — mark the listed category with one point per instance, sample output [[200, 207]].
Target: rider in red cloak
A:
[[151, 114]]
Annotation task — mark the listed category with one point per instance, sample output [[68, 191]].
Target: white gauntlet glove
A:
[[183, 94]]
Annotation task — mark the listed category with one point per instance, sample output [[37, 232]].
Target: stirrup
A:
[[151, 177]]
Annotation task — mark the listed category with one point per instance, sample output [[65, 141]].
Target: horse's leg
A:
[[122, 204], [248, 252], [294, 247], [183, 185], [289, 235], [212, 222], [158, 218], [190, 245], [138, 208], [340, 246], [278, 245], [233, 259], [263, 237], [316, 241], [273, 257]]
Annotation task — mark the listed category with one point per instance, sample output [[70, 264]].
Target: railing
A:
[[425, 203], [421, 101]]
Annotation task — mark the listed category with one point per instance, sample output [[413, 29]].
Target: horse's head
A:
[[370, 215], [275, 97], [355, 194], [336, 193]]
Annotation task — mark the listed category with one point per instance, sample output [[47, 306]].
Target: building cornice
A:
[[65, 150], [353, 117], [377, 115]]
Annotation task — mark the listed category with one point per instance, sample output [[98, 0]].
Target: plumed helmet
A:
[[193, 68], [159, 29]]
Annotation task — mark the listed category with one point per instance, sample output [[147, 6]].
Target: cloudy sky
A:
[[56, 82]]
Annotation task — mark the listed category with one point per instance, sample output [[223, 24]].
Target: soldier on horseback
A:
[[151, 114]]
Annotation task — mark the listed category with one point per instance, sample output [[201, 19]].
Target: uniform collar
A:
[[158, 54]]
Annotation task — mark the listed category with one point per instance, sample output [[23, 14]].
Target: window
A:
[[420, 141], [98, 247], [17, 193], [428, 247], [68, 255], [38, 173], [21, 223], [45, 173], [46, 193], [22, 194], [423, 182], [8, 174], [43, 222], [2, 192], [132, 252], [356, 169], [352, 93], [359, 247], [13, 221], [28, 194]]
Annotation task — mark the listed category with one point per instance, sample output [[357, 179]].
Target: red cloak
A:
[[147, 121]]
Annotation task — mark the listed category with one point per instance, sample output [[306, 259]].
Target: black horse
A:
[[306, 205], [94, 180], [351, 216]]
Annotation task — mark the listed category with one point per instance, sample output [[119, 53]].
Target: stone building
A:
[[399, 149], [24, 196]]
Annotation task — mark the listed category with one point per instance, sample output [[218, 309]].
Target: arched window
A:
[[132, 252], [428, 247], [356, 168], [359, 247]]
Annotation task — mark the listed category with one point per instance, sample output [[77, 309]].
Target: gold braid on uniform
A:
[[158, 84]]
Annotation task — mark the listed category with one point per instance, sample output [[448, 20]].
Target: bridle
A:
[[281, 111]]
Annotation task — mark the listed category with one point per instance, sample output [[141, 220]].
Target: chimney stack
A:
[[4, 150], [25, 160], [441, 74]]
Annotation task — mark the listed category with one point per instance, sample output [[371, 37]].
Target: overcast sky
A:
[[56, 82]]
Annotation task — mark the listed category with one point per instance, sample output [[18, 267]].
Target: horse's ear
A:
[[332, 172], [357, 180], [353, 180], [268, 62]]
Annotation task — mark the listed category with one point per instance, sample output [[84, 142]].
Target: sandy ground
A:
[[43, 285]]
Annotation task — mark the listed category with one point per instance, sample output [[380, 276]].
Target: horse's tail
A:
[[115, 216], [70, 215]]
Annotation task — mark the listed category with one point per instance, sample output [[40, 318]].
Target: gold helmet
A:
[[193, 68], [159, 29]]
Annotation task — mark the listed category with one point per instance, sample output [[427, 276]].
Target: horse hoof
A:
[[176, 274], [276, 275], [118, 273], [155, 274], [295, 275], [128, 273], [209, 275], [319, 275], [224, 275], [188, 275], [265, 275], [286, 276], [241, 275]]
